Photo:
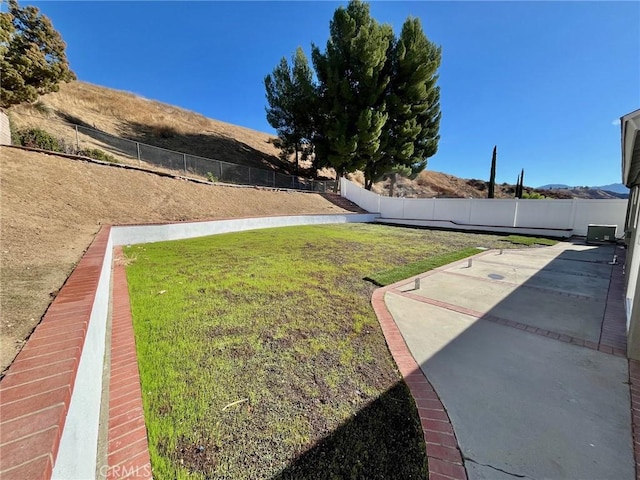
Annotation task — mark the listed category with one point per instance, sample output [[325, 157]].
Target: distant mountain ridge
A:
[[612, 187]]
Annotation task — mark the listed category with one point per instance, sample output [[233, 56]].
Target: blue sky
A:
[[544, 81]]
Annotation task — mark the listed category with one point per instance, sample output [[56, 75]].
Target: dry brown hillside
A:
[[53, 206], [130, 116], [431, 184]]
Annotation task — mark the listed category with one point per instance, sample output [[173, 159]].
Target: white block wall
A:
[[573, 216]]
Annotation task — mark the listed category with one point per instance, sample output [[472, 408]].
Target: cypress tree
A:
[[519, 185], [492, 179]]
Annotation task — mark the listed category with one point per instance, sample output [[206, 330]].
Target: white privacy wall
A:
[[574, 216]]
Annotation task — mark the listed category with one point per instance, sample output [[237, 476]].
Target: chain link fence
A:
[[81, 137], [213, 170]]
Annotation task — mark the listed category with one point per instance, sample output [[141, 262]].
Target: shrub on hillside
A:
[[98, 154], [532, 196], [38, 138]]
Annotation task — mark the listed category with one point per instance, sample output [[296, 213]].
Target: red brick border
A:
[[128, 448], [443, 454], [36, 390]]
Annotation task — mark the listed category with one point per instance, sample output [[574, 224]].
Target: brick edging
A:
[[443, 453], [127, 448], [35, 392]]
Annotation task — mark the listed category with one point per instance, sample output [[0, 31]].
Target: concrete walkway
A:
[[514, 345]]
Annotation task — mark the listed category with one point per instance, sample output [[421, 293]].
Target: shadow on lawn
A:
[[382, 441]]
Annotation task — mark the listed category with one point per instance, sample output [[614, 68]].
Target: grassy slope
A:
[[281, 321]]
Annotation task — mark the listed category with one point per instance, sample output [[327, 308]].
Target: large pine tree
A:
[[376, 105], [353, 75], [413, 104]]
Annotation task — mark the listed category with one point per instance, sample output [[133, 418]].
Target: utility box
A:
[[601, 233]]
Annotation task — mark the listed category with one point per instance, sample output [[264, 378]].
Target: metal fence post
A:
[[77, 141], [249, 182], [274, 179], [184, 158], [138, 149]]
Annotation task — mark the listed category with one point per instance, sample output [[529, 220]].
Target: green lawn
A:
[[395, 274], [260, 355], [530, 241]]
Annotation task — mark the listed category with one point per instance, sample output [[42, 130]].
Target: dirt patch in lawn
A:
[[51, 208]]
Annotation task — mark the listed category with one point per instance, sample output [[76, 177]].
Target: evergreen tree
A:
[[290, 95], [492, 178], [520, 184], [376, 106], [32, 56], [354, 74], [413, 102]]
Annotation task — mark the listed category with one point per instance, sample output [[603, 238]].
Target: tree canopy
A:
[[353, 75], [375, 104], [32, 55]]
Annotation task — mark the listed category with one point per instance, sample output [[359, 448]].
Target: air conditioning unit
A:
[[601, 233]]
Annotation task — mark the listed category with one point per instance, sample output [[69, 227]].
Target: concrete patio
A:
[[526, 359]]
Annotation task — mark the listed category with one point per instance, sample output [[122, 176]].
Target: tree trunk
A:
[[392, 184], [339, 175]]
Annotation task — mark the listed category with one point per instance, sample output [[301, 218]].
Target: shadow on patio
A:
[[511, 343]]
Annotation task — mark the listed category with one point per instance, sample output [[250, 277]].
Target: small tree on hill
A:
[[32, 56]]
